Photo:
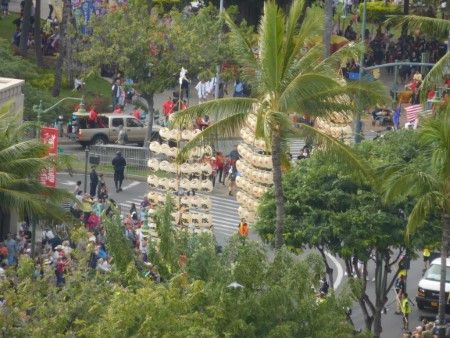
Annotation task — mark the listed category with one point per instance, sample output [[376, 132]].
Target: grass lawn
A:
[[7, 28]]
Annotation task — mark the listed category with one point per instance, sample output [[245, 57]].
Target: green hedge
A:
[[378, 11]]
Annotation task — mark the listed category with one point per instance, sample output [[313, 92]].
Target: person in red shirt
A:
[[137, 114], [220, 164], [168, 108], [92, 117], [118, 110]]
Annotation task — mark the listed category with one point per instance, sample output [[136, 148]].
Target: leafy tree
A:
[[428, 180], [159, 49], [284, 78], [117, 244], [331, 209], [280, 302]]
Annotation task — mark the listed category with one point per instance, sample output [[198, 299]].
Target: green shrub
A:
[[378, 11], [46, 80]]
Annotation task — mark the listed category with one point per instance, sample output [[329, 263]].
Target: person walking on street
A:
[[400, 289], [94, 182], [122, 137], [115, 93], [406, 310], [119, 164], [77, 188], [243, 229], [233, 174]]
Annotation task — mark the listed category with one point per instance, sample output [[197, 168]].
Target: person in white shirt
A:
[[202, 91]]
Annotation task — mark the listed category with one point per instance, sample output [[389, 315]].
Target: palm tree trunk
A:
[[444, 254], [62, 48], [278, 188], [328, 28], [26, 27], [37, 35]]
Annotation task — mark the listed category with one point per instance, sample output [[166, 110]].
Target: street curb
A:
[[133, 177]]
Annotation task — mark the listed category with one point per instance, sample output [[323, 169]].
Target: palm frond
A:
[[432, 26], [335, 61], [423, 207], [304, 86], [22, 150], [435, 134], [271, 31], [225, 127], [215, 109], [436, 75], [345, 153], [311, 27], [240, 45], [304, 64], [289, 46], [409, 182], [303, 59]]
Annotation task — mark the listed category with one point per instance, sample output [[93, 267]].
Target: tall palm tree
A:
[[429, 182], [21, 162], [287, 74]]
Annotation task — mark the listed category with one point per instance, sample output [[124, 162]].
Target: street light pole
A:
[[358, 123], [86, 151]]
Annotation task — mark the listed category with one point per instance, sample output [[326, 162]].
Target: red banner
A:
[[49, 136]]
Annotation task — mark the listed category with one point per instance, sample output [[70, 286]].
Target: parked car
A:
[[106, 129], [428, 288]]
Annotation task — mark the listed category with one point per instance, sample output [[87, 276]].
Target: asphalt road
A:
[[224, 207]]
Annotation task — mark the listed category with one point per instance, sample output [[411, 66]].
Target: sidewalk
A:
[[14, 7]]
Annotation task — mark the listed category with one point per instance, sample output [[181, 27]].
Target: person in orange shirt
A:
[[243, 228]]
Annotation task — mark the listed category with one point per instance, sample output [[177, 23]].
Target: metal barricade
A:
[[136, 157]]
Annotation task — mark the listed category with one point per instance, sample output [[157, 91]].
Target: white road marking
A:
[[340, 270], [131, 185], [70, 183]]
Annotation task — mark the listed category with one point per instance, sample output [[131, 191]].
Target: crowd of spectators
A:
[[49, 32]]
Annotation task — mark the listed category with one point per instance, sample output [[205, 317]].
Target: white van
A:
[[428, 291]]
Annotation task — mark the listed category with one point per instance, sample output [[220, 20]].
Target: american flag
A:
[[412, 111]]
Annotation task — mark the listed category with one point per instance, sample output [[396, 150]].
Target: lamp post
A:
[[358, 123], [39, 110], [86, 159]]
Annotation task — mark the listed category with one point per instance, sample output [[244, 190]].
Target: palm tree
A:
[[429, 182], [21, 162], [287, 74]]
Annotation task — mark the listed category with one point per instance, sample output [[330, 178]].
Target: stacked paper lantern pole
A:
[[182, 180], [255, 169], [336, 125]]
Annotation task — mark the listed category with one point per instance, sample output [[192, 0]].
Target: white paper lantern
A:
[[155, 147], [153, 164]]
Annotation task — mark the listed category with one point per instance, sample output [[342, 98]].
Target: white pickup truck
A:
[[106, 129]]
